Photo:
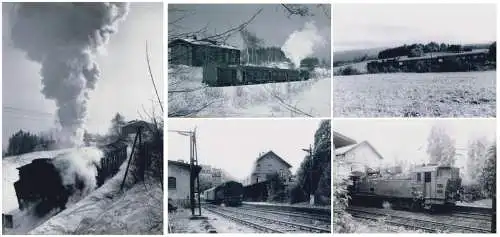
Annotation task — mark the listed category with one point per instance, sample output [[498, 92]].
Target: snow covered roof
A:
[[205, 42], [345, 149], [279, 158]]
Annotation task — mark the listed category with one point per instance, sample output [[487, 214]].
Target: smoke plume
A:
[[301, 44], [65, 38]]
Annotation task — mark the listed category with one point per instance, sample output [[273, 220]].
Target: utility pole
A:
[[194, 181], [310, 171]]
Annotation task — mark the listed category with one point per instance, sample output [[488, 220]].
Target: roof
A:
[[184, 165], [340, 140], [204, 42], [279, 158], [345, 149]]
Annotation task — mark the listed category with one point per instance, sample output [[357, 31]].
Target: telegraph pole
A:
[[310, 171]]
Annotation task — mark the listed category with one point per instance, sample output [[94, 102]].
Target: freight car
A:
[[230, 193], [235, 75], [427, 187], [40, 185]]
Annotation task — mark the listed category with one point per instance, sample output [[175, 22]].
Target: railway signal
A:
[[194, 181]]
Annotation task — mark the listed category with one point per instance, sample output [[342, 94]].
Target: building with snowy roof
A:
[[198, 52]]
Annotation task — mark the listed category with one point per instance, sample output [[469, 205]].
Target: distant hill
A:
[[351, 55]]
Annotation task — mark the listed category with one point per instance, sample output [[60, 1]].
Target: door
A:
[[427, 185]]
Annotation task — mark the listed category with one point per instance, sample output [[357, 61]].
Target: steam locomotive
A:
[[40, 185], [229, 193], [428, 187]]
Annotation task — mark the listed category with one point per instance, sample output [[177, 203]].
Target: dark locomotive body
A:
[[427, 187], [229, 193], [40, 184], [236, 75]]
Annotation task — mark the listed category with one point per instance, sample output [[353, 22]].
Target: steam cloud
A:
[[78, 170], [300, 44], [64, 38]]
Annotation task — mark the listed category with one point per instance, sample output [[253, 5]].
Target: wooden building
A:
[[194, 52]]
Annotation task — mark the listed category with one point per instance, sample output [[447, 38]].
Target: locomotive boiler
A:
[[229, 193]]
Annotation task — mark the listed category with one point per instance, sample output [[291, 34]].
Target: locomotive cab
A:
[[436, 185]]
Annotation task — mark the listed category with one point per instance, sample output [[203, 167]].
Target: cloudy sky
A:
[[272, 24], [234, 145], [407, 139], [124, 85], [362, 26]]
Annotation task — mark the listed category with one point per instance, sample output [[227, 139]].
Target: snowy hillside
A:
[[189, 97]]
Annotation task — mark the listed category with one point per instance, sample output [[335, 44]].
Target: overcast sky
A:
[[407, 139], [234, 145], [124, 85], [272, 24], [362, 26]]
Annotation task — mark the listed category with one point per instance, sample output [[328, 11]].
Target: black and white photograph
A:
[[414, 176], [249, 60], [414, 60], [82, 118], [249, 176]]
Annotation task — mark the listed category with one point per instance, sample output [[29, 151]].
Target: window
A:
[[419, 178], [427, 177], [172, 183]]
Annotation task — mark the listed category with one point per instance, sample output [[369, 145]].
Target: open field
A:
[[463, 94]]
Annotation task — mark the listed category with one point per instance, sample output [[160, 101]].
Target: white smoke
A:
[[78, 170], [65, 38], [302, 43]]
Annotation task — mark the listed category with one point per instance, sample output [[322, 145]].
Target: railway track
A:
[[413, 222], [315, 217], [263, 222]]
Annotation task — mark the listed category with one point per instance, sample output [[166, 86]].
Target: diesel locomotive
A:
[[428, 187]]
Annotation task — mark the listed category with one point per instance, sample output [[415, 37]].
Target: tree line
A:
[[23, 142]]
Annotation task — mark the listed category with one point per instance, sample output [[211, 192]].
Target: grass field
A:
[[463, 94]]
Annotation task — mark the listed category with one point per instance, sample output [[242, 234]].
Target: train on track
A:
[[428, 187], [40, 185], [229, 193], [235, 75]]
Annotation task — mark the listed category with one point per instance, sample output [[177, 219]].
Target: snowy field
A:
[[463, 94], [188, 97]]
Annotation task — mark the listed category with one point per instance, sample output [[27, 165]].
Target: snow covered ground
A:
[[461, 94], [189, 97], [136, 210], [479, 203]]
